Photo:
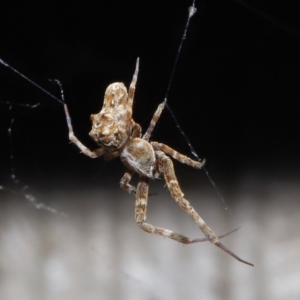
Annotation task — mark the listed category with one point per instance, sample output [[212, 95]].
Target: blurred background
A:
[[67, 231]]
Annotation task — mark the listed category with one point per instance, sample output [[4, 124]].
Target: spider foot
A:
[[221, 246]]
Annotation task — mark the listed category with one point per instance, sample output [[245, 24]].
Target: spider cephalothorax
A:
[[117, 134]]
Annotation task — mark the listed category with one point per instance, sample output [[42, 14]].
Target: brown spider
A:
[[117, 134]]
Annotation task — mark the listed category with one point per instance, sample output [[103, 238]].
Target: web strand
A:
[[18, 187], [13, 175], [192, 11], [5, 64]]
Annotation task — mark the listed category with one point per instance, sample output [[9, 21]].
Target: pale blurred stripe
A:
[[98, 252]]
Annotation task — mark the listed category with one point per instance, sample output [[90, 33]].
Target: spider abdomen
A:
[[111, 126], [139, 156]]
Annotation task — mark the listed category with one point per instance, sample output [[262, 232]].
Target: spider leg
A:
[[141, 210], [133, 83], [154, 120], [176, 155], [140, 216], [124, 183], [74, 139], [166, 167]]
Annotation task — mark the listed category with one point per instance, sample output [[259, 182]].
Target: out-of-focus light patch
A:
[[100, 251], [57, 276]]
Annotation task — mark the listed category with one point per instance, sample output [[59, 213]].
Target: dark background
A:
[[235, 91]]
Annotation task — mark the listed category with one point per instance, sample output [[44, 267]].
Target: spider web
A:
[[14, 185]]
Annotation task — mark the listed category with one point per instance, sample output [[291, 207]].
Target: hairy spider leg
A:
[[154, 120], [93, 154], [176, 155], [133, 83], [167, 168], [141, 214], [124, 183]]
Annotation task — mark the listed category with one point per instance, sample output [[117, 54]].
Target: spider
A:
[[117, 134]]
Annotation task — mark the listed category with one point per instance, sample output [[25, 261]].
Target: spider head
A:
[[112, 125]]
